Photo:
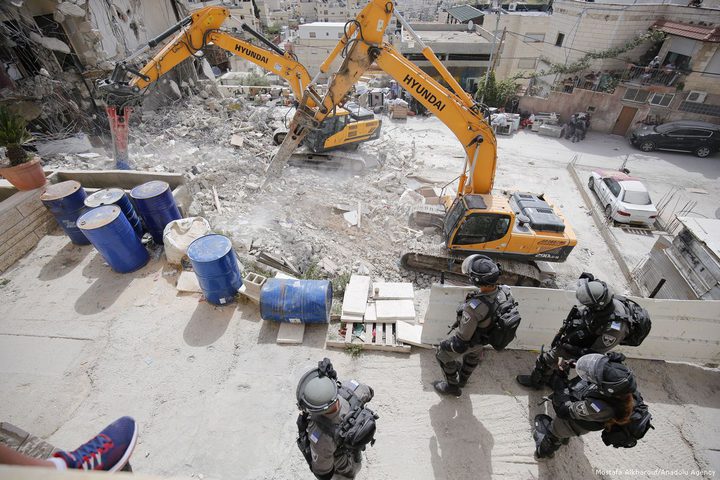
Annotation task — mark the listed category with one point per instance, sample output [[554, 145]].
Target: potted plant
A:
[[20, 168]]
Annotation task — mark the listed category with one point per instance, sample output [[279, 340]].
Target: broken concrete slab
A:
[[237, 140], [70, 9], [50, 43], [393, 290], [356, 295], [410, 334], [188, 282], [351, 217], [290, 334], [393, 310]]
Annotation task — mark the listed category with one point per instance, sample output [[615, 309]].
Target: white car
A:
[[624, 198]]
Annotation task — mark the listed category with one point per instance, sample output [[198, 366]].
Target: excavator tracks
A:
[[336, 160], [513, 272]]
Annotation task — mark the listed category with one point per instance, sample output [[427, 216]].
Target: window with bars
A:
[[662, 99], [636, 95]]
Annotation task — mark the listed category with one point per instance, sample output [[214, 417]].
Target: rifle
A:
[[572, 315]]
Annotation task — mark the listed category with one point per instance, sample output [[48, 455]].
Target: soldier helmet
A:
[[317, 391], [612, 377], [595, 294], [481, 270]]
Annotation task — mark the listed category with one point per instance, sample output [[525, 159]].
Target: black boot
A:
[[535, 380], [463, 379], [546, 443], [444, 388]]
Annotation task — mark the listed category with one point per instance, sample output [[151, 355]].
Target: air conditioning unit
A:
[[512, 7], [696, 96]]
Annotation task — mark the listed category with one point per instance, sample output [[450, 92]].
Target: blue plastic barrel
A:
[[116, 196], [296, 301], [155, 204], [111, 234], [215, 265], [66, 202]]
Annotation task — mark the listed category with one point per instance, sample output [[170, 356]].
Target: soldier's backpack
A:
[[638, 320], [506, 320], [626, 436]]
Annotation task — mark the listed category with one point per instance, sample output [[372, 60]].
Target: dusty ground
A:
[[213, 393]]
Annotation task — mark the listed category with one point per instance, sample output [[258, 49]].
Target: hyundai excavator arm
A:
[[364, 45], [193, 33]]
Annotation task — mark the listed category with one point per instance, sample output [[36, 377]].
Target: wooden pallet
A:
[[385, 338]]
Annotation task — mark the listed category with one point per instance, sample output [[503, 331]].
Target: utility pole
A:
[[496, 8]]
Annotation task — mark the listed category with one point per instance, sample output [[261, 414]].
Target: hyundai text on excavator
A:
[[340, 128], [516, 228]]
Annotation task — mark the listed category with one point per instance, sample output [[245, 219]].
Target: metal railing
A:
[[668, 75], [632, 75]]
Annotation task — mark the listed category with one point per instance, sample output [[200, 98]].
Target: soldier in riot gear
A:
[[599, 398], [461, 352], [597, 326], [334, 425]]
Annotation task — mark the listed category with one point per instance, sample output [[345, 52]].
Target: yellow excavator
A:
[[124, 88], [516, 228]]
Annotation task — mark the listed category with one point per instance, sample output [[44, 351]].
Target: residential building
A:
[[244, 11], [466, 54], [54, 52], [683, 86], [315, 41]]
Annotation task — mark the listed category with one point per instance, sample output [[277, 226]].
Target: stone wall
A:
[[23, 222]]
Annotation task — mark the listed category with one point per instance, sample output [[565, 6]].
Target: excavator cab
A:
[[523, 228], [339, 130]]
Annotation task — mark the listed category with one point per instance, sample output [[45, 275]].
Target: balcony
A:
[[639, 76], [664, 79]]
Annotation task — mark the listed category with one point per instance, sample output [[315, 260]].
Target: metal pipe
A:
[[432, 58], [263, 39], [657, 288]]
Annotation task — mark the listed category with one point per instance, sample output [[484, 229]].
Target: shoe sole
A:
[[126, 456]]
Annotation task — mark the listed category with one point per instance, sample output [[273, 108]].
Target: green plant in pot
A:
[[19, 167]]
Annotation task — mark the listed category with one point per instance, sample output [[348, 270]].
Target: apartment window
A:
[[635, 95], [662, 99], [528, 63], [312, 35], [535, 37], [559, 40], [327, 34]]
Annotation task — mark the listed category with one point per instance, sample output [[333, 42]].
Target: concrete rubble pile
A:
[[300, 215]]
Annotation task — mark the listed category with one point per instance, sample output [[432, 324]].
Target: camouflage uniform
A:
[[459, 355]]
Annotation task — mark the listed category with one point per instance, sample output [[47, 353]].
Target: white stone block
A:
[[290, 334], [393, 310], [356, 295], [393, 291]]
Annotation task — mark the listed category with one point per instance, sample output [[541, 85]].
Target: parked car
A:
[[624, 198], [700, 138]]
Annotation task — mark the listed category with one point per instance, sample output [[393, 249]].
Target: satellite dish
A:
[[470, 25]]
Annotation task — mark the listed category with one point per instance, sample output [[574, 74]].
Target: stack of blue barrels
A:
[[115, 223], [109, 220]]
